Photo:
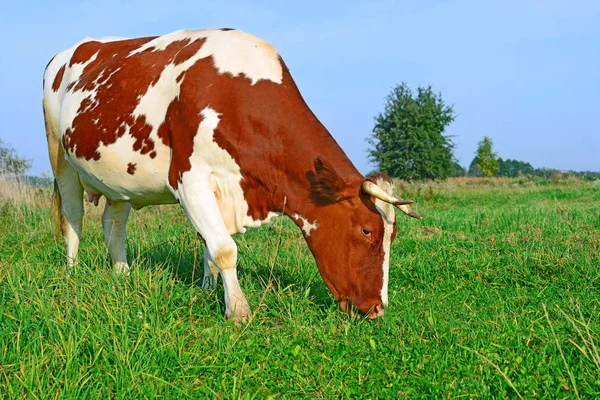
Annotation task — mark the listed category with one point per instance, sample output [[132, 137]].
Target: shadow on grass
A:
[[185, 264], [263, 273]]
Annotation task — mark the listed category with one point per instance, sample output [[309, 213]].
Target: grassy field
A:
[[495, 294]]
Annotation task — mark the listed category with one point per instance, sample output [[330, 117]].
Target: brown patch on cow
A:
[[164, 129], [188, 51], [182, 121], [58, 78], [131, 168], [226, 29], [225, 258], [84, 52], [141, 132], [115, 77]]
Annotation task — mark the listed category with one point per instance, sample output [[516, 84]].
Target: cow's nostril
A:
[[377, 311]]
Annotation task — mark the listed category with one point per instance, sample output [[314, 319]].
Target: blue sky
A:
[[524, 72]]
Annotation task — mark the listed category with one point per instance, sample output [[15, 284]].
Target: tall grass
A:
[[16, 192], [493, 295]]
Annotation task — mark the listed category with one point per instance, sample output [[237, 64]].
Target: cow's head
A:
[[354, 225]]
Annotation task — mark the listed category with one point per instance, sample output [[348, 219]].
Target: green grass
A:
[[493, 295]]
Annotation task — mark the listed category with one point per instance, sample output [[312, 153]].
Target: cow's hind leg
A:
[[211, 273], [67, 201], [114, 221], [196, 196], [70, 204]]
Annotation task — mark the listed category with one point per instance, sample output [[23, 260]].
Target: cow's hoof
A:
[[122, 268], [240, 314]]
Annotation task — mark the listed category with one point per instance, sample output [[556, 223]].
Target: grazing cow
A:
[[213, 120]]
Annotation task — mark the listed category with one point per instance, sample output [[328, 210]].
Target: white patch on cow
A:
[[388, 217], [306, 226], [210, 119], [109, 177], [270, 217], [153, 105], [240, 53], [209, 161], [234, 52], [104, 80]]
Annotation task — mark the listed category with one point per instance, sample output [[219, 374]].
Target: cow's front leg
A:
[[196, 196]]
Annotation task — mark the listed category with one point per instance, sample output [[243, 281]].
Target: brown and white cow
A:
[[212, 119]]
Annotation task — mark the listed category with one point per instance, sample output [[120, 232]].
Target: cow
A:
[[212, 119]]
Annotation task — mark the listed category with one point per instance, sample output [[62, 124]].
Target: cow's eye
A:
[[366, 231]]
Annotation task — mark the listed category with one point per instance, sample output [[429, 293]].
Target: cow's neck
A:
[[277, 152], [292, 195]]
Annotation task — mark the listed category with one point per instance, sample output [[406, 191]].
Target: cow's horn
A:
[[408, 211], [377, 192]]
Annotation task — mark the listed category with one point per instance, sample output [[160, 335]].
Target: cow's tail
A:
[[55, 154], [56, 213]]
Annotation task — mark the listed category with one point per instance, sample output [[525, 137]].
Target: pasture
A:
[[494, 294]]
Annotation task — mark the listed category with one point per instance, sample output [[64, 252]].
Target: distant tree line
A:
[[508, 168], [10, 162], [41, 181], [515, 168], [409, 142], [487, 163], [13, 166]]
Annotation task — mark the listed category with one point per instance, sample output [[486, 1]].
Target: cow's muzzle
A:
[[370, 311]]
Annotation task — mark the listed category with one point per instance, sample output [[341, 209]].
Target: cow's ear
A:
[[326, 186]]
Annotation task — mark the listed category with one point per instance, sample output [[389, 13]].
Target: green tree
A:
[[513, 168], [457, 169], [10, 162], [474, 168], [408, 139], [485, 159]]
